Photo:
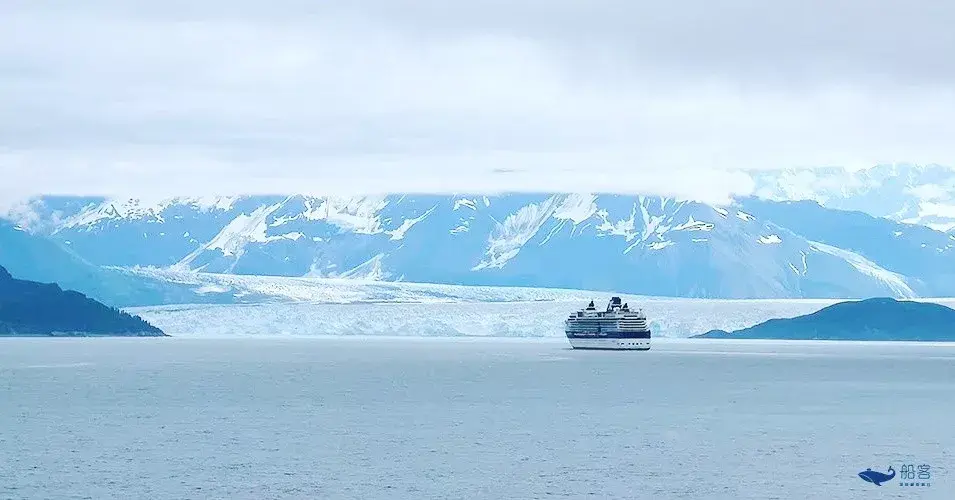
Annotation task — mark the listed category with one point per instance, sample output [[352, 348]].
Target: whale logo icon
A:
[[877, 478]]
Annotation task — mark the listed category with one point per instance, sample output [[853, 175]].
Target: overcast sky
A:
[[155, 98]]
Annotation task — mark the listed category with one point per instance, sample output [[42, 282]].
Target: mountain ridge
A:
[[646, 245], [903, 192], [877, 318]]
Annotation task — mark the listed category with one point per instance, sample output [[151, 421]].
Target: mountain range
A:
[[914, 194], [755, 247]]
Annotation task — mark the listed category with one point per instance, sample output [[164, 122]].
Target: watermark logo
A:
[[877, 478], [910, 475]]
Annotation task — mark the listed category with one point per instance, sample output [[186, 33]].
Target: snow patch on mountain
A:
[[694, 225], [399, 233], [242, 230], [896, 282], [770, 239], [622, 227], [554, 231], [358, 214], [137, 209], [238, 233], [805, 265], [651, 224], [660, 245], [508, 237], [293, 236], [744, 216], [464, 202], [577, 207]]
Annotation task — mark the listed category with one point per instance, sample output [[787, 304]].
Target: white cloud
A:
[[133, 98]]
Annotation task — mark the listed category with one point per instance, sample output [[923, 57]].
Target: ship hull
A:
[[610, 344]]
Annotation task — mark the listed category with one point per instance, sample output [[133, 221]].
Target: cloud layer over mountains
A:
[[138, 98]]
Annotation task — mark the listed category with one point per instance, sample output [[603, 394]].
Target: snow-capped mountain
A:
[[910, 249], [632, 244], [916, 194]]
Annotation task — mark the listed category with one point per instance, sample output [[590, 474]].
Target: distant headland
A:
[[32, 309], [880, 318]]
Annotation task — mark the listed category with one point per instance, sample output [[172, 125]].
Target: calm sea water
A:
[[469, 418]]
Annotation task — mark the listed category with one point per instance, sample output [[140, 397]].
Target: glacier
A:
[[439, 317], [280, 289]]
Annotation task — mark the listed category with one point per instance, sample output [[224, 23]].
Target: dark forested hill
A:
[[29, 308], [878, 318]]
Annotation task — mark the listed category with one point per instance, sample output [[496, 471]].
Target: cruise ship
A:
[[616, 328]]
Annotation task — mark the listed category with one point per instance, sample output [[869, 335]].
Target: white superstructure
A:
[[616, 328]]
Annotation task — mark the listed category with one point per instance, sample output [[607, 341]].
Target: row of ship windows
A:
[[590, 327], [603, 320], [608, 322], [597, 318], [606, 329], [607, 316], [595, 332]]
